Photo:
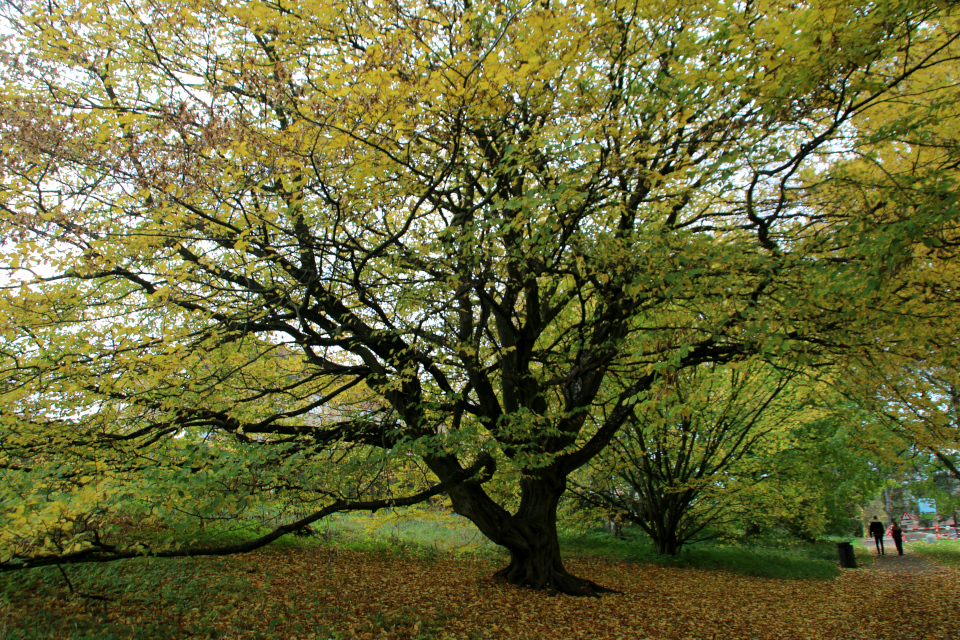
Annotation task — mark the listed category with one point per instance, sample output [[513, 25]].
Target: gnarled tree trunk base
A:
[[557, 581]]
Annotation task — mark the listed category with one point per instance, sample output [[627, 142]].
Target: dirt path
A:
[[909, 562]]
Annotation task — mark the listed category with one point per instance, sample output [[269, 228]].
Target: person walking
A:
[[876, 530], [897, 534]]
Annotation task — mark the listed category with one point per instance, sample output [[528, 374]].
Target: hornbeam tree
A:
[[916, 399], [697, 442], [250, 242]]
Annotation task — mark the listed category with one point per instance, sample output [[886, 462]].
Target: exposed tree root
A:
[[556, 582]]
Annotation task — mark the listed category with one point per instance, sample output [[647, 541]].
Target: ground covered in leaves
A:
[[322, 592]]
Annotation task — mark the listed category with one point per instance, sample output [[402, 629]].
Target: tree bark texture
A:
[[529, 534]]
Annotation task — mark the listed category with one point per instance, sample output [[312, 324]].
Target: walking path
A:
[[909, 562]]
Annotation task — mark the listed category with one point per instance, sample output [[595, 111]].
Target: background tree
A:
[[838, 457], [719, 450], [696, 441], [897, 187], [918, 400], [498, 217]]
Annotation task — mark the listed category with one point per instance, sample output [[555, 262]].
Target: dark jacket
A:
[[876, 528]]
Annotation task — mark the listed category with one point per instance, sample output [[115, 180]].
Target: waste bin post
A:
[[848, 559]]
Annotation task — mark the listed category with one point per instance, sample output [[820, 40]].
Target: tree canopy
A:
[[310, 234]]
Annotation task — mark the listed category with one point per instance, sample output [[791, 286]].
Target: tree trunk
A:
[[662, 520], [535, 559], [614, 526], [667, 544], [530, 534]]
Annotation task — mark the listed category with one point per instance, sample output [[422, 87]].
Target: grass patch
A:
[[866, 556], [817, 562], [778, 557], [635, 546], [170, 590], [425, 533], [943, 551], [781, 557]]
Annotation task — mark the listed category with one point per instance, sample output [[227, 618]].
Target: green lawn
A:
[[767, 556], [943, 551]]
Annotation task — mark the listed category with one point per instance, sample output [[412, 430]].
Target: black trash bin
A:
[[848, 560]]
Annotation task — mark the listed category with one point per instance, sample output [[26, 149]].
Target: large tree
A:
[[494, 217]]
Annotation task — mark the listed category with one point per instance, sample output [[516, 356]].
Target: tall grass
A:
[[439, 533]]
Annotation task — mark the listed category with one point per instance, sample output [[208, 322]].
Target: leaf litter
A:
[[322, 594]]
